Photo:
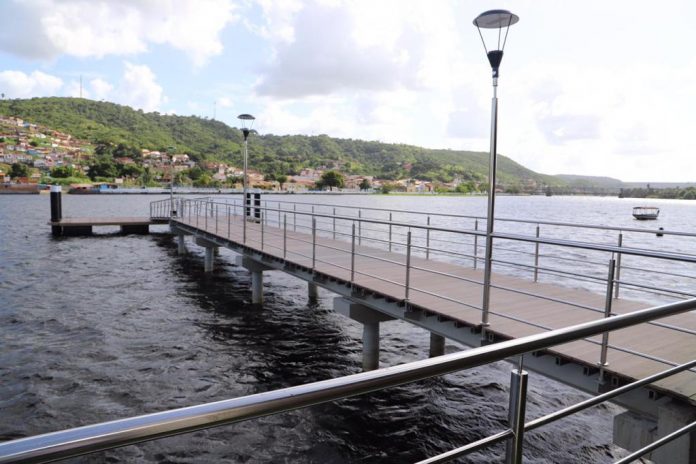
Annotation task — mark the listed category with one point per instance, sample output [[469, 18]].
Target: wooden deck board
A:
[[544, 305]]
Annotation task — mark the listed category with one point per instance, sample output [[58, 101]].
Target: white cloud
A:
[[100, 88], [17, 84], [139, 88], [224, 102], [49, 28]]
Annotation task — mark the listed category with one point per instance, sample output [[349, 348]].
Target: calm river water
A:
[[105, 327]]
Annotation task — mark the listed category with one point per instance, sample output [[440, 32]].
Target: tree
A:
[[103, 167], [63, 172], [332, 179], [281, 179], [19, 170], [365, 185]]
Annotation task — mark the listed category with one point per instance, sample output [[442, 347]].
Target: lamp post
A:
[[247, 122], [496, 21], [172, 211]]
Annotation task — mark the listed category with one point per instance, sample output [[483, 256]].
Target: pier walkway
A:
[[445, 298]]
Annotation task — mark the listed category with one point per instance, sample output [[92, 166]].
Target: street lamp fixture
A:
[[493, 22], [247, 122]]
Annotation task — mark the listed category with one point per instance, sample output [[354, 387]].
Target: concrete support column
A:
[[633, 431], [257, 287], [181, 246], [370, 320], [370, 341], [256, 268], [437, 345], [312, 291], [209, 259]]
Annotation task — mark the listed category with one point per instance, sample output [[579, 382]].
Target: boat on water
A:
[[87, 189], [643, 213]]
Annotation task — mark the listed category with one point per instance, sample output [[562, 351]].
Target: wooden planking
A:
[[661, 343]]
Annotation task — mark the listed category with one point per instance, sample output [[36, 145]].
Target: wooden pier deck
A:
[[454, 292], [83, 225]]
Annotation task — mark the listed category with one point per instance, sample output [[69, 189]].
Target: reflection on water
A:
[[105, 327]]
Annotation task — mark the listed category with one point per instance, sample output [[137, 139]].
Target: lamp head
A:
[[247, 123], [496, 21]]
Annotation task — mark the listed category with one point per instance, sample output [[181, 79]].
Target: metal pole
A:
[[390, 231], [427, 240], [294, 217], [352, 257], [229, 221], [314, 243], [172, 213], [618, 267], [408, 264], [278, 214], [262, 229], [334, 223], [359, 227], [607, 313], [536, 257], [245, 186], [516, 413], [285, 236], [217, 218], [488, 262], [476, 245], [206, 216]]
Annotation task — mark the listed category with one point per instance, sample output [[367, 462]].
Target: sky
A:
[[602, 88]]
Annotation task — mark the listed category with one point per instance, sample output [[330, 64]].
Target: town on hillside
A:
[[33, 155]]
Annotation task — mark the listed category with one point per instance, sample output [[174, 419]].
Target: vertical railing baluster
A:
[[229, 221], [285, 236], [359, 227], [206, 216], [427, 240], [334, 223], [278, 214], [607, 313], [476, 244], [314, 242], [516, 415], [244, 221], [408, 265], [536, 256], [352, 257], [618, 267], [262, 233], [294, 217], [390, 231], [217, 218]]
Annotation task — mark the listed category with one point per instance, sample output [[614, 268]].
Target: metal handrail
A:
[[91, 438]]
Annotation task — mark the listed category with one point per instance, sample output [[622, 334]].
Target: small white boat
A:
[[646, 212]]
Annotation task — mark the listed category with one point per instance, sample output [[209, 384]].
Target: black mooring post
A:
[[56, 209]]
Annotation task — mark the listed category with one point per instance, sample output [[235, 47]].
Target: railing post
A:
[[314, 243], [618, 267], [476, 245], [334, 223], [352, 257], [285, 236], [217, 217], [516, 414], [197, 212], [278, 214], [408, 265], [229, 221], [536, 256], [359, 227], [427, 240], [206, 216], [607, 313], [244, 222], [294, 217], [390, 231], [262, 232]]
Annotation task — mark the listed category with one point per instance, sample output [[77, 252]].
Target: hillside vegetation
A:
[[205, 139]]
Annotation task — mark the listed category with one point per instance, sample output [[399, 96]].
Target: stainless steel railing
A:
[[92, 438], [205, 212]]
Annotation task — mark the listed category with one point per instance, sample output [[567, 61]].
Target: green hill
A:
[[205, 139]]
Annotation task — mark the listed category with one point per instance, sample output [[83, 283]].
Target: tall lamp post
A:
[[247, 122], [171, 151], [496, 21]]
